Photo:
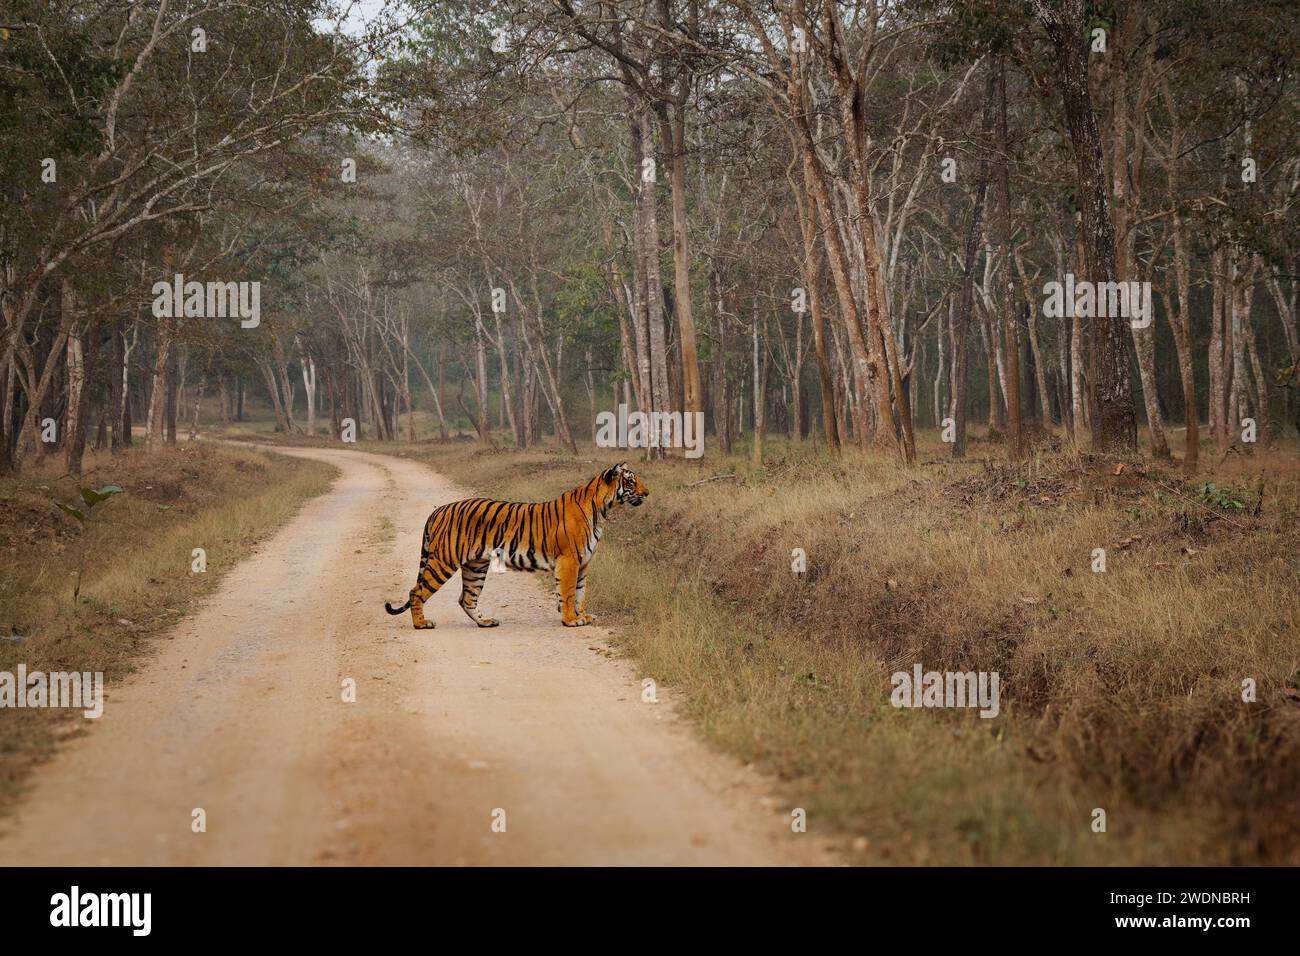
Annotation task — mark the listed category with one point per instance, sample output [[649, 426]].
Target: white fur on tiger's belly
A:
[[501, 561]]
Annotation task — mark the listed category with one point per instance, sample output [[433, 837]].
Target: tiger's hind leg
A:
[[566, 569], [472, 575], [432, 576]]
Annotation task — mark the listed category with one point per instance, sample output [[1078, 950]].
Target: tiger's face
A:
[[628, 486]]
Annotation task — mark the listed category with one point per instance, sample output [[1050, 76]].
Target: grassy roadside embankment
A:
[[1119, 690], [138, 552]]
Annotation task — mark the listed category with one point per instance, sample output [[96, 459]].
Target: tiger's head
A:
[[627, 484]]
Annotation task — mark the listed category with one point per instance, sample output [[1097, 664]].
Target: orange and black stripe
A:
[[558, 536]]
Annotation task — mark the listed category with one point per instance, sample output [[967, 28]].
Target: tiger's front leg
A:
[[566, 569], [580, 593]]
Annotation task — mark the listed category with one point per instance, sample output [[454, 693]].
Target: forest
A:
[[837, 222]]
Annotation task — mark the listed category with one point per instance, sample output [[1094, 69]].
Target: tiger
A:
[[558, 536]]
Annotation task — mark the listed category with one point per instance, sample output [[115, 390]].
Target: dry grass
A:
[[1120, 690], [137, 578]]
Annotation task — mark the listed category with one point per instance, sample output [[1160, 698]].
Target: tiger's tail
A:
[[424, 559]]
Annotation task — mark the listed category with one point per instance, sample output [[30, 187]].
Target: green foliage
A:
[[582, 302], [91, 497], [1223, 496], [48, 76]]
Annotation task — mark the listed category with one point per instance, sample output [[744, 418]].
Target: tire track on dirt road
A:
[[239, 712]]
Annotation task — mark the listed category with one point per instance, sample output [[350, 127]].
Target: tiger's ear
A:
[[612, 474]]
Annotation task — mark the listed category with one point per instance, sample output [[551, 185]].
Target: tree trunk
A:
[[1180, 322], [674, 128], [1040, 367], [961, 345], [79, 397], [158, 386], [625, 308], [198, 402], [815, 182], [1116, 426], [75, 365], [118, 387], [273, 391], [1015, 447], [806, 208], [481, 381], [760, 396], [721, 398], [1218, 414], [171, 404], [661, 397], [441, 390]]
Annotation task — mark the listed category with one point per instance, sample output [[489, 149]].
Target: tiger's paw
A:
[[424, 626], [581, 620], [488, 622]]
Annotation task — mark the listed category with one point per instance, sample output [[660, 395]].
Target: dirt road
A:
[[240, 713]]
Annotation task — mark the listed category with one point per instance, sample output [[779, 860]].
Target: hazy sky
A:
[[360, 11]]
